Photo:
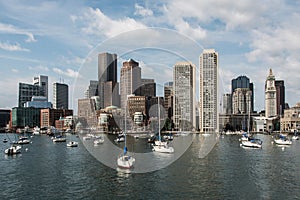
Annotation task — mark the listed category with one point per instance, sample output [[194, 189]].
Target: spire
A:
[[270, 72]]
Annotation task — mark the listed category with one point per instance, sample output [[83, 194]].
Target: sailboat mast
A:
[[158, 119], [249, 117]]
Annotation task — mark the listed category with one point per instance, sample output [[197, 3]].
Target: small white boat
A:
[[282, 140], [125, 160], [252, 143], [163, 149], [295, 137], [14, 149], [245, 137], [160, 143], [23, 140], [59, 138], [36, 130], [72, 144], [120, 138], [99, 141]]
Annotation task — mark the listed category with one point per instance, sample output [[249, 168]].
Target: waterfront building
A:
[[168, 99], [227, 104], [38, 102], [280, 96], [22, 117], [290, 122], [270, 95], [27, 91], [137, 104], [48, 116], [130, 80], [42, 81], [87, 114], [92, 89], [208, 108], [108, 89], [184, 91], [60, 96], [241, 99], [4, 117]]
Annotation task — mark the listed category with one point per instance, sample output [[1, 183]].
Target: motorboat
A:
[[295, 137], [72, 144], [23, 140], [99, 141], [5, 140], [282, 140], [59, 138], [168, 137], [36, 130], [120, 138], [13, 149], [252, 143]]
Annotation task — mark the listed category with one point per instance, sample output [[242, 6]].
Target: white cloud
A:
[[15, 70], [38, 68], [12, 47], [10, 29], [140, 10], [95, 22], [69, 72]]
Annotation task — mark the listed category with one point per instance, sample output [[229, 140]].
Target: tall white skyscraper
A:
[[184, 91], [208, 108], [270, 95]]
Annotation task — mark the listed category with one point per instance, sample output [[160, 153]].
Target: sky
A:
[[61, 39]]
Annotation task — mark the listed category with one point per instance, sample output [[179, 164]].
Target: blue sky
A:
[[61, 38]]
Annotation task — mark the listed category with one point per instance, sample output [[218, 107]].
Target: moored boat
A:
[[72, 144], [282, 140], [13, 149]]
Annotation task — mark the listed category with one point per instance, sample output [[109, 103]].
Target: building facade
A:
[[87, 112], [280, 96], [184, 91], [22, 117], [270, 96], [4, 117], [92, 89], [130, 80], [208, 106], [38, 102], [241, 101], [42, 81], [48, 116], [168, 99], [27, 91], [60, 96], [227, 104], [108, 89]]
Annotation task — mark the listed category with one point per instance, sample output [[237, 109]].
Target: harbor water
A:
[[47, 170]]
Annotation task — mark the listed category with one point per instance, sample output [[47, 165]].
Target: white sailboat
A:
[[282, 139], [124, 160], [247, 140], [161, 146]]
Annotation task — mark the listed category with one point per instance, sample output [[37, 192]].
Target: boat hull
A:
[[125, 161]]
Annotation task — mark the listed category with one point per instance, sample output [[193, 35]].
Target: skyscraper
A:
[[27, 91], [241, 101], [92, 89], [108, 90], [42, 81], [227, 104], [242, 82], [270, 95], [280, 96], [184, 110], [208, 108], [130, 80], [60, 96], [168, 99]]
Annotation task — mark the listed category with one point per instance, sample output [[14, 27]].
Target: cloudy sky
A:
[[62, 38]]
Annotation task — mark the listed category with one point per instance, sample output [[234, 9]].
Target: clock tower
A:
[[270, 95]]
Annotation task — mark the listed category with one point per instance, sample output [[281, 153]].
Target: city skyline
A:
[[55, 41]]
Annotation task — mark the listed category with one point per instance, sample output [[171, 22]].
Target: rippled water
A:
[[53, 171]]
